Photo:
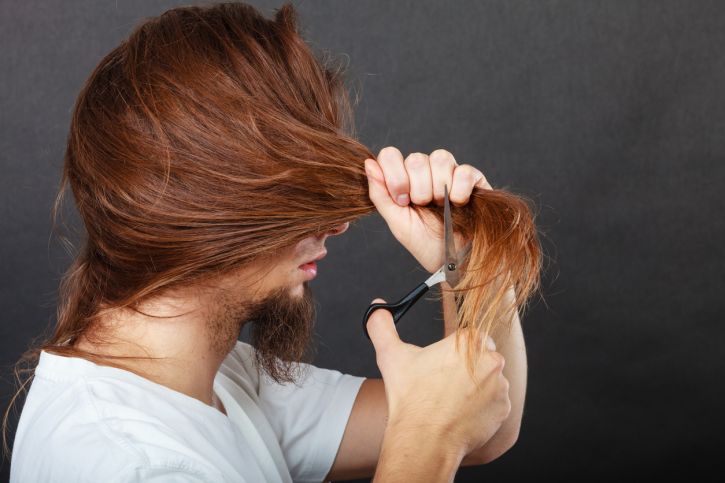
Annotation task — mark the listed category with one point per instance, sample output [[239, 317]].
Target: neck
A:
[[186, 354]]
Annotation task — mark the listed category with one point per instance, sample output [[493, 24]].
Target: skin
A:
[[193, 353]]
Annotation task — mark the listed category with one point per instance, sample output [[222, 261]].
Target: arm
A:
[[362, 440], [513, 348]]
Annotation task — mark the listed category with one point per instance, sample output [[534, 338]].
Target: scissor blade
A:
[[450, 256], [440, 275]]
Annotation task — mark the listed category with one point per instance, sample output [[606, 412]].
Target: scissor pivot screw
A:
[[451, 266]]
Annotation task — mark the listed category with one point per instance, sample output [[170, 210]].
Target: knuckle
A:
[[389, 151], [416, 160], [441, 156], [466, 172]]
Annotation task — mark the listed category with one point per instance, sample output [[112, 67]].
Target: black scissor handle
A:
[[398, 308]]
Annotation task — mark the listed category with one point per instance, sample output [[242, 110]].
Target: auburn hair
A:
[[212, 136]]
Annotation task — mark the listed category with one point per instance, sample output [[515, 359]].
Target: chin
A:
[[298, 290]]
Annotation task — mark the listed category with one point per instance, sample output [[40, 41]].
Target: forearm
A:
[[512, 347], [408, 454]]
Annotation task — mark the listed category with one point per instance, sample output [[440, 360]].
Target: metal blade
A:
[[449, 253]]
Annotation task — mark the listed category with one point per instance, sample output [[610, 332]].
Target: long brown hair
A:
[[212, 136]]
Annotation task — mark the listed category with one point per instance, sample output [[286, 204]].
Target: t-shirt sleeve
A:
[[309, 417]]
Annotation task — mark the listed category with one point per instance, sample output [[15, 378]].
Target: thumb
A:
[[378, 191], [381, 329]]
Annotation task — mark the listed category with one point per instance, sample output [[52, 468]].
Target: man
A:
[[144, 379]]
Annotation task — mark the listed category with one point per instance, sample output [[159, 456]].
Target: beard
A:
[[281, 331]]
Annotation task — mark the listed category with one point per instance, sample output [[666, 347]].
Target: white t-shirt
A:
[[84, 422]]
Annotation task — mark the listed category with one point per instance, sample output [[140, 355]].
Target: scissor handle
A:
[[398, 308]]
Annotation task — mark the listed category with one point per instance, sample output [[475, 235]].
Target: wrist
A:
[[426, 433], [418, 451]]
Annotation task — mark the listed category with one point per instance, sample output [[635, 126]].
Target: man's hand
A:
[[395, 183], [437, 412]]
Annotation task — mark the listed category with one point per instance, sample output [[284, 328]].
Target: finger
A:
[[396, 178], [377, 190], [464, 179], [381, 330], [482, 182], [442, 164], [421, 184]]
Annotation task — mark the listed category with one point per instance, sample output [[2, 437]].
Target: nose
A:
[[338, 230]]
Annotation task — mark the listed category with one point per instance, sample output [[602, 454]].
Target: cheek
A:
[[289, 271], [283, 273]]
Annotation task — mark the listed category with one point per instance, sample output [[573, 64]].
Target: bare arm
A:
[[512, 347]]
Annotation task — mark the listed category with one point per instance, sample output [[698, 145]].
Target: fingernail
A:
[[403, 200]]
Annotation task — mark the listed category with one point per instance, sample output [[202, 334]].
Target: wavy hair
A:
[[212, 136]]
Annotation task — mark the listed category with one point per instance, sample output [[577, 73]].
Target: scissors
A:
[[449, 272]]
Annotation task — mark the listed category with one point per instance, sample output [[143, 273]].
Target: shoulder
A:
[[86, 431], [63, 425]]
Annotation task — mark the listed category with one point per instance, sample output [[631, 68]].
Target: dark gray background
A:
[[610, 115]]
